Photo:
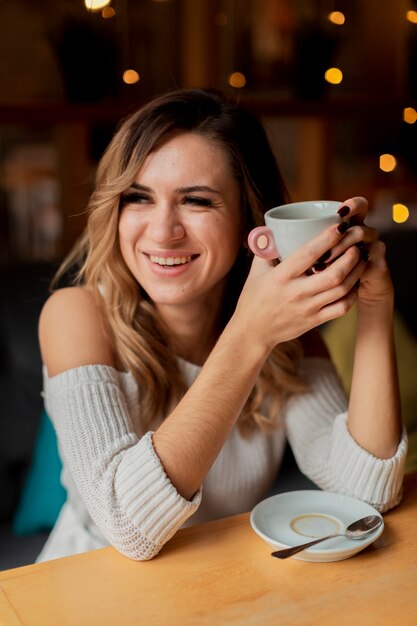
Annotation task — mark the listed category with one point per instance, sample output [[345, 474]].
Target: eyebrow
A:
[[191, 189], [140, 187]]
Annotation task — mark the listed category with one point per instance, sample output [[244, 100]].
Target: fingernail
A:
[[342, 228], [365, 254], [324, 257], [344, 211], [318, 267]]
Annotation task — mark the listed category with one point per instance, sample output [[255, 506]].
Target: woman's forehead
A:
[[189, 153]]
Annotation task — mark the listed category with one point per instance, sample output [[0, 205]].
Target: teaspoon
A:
[[356, 530]]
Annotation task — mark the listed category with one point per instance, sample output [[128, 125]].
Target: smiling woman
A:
[[177, 365], [181, 225]]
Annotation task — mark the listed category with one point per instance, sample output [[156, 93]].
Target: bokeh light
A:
[[108, 12], [400, 213], [130, 77], [387, 162], [337, 17], [96, 5], [334, 75], [237, 79], [410, 115], [412, 16]]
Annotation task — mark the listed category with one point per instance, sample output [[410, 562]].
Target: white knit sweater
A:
[[119, 494]]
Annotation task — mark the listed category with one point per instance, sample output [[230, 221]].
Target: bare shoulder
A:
[[73, 331]]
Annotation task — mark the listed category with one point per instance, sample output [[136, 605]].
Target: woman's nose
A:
[[166, 226]]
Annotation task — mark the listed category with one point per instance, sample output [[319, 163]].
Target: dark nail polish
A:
[[360, 245], [319, 267], [364, 254], [342, 228], [344, 211], [357, 284], [324, 257]]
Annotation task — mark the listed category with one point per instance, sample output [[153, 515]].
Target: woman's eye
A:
[[133, 197], [197, 201]]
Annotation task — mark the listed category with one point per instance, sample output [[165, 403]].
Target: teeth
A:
[[178, 260]]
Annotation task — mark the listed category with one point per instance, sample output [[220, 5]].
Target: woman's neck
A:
[[193, 331]]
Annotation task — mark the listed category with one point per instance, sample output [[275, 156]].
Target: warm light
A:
[[387, 162], [96, 5], [412, 16], [336, 17], [108, 12], [410, 115], [334, 76], [130, 77], [400, 213], [237, 79]]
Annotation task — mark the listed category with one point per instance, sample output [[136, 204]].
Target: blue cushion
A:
[[42, 494]]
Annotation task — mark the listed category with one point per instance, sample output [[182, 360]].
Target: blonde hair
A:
[[141, 342]]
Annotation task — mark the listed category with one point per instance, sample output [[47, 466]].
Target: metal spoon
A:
[[356, 530]]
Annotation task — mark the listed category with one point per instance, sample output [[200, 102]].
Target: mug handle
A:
[[267, 251]]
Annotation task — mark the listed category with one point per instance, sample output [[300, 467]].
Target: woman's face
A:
[[180, 226]]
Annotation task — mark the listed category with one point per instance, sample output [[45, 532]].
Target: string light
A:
[[412, 16], [96, 5], [387, 162], [130, 77], [237, 79], [400, 213], [410, 115], [337, 17], [334, 75]]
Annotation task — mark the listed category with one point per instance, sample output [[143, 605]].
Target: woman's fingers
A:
[[337, 280], [305, 257], [338, 308], [354, 210], [294, 301], [331, 293], [376, 282], [355, 235]]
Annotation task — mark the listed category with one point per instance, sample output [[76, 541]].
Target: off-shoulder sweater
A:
[[120, 495]]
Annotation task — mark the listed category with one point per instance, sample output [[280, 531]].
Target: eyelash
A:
[[196, 200], [133, 197]]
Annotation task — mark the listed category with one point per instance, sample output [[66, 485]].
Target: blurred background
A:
[[335, 83]]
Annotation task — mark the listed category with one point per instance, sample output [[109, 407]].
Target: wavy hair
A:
[[141, 342]]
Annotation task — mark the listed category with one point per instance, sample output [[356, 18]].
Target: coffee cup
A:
[[290, 226]]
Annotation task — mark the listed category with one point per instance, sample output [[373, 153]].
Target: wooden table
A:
[[222, 573]]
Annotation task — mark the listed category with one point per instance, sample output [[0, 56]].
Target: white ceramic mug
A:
[[290, 226]]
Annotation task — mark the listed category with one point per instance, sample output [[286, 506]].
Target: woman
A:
[[178, 361]]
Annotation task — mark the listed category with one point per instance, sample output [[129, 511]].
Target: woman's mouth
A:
[[171, 260]]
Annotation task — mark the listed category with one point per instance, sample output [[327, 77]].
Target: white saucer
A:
[[295, 517]]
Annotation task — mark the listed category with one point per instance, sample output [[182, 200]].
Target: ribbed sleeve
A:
[[118, 475], [325, 451]]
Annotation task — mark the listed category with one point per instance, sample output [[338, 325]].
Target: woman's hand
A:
[[374, 417], [375, 284], [282, 302]]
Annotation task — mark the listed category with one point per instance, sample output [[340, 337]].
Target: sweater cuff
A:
[[378, 481], [154, 506]]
